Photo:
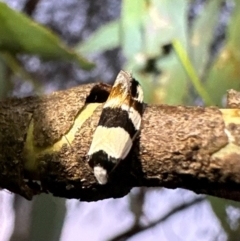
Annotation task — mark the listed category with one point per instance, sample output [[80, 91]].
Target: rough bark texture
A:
[[46, 139]]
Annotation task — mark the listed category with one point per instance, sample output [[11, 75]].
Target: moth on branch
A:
[[118, 127], [44, 143]]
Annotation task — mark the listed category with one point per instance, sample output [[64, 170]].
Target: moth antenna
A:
[[69, 143]]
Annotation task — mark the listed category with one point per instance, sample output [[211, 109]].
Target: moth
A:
[[118, 126]]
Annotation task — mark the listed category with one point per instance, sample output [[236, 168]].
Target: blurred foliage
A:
[[147, 28], [173, 59], [219, 207], [17, 32], [47, 218], [143, 30], [225, 72], [19, 38]]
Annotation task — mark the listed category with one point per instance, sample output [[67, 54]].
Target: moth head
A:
[[101, 174]]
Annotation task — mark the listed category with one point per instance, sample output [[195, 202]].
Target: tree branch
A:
[[46, 139], [136, 229]]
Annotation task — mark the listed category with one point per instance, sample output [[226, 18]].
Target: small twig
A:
[[30, 7], [136, 229]]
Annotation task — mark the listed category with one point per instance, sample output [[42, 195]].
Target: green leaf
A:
[[162, 22], [190, 70], [202, 36], [219, 206], [166, 20], [132, 15], [170, 86], [225, 73], [173, 80], [19, 34], [105, 38], [47, 218]]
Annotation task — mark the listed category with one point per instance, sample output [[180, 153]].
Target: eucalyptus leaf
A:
[[202, 35], [225, 72], [20, 34], [133, 12], [105, 38]]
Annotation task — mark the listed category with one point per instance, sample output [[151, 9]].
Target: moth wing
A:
[[114, 141]]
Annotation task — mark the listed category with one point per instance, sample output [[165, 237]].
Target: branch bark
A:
[[44, 141]]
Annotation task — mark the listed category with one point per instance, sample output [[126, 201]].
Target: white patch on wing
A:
[[140, 94], [115, 141], [134, 116], [101, 175]]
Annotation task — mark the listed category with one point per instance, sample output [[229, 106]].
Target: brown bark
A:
[[46, 138]]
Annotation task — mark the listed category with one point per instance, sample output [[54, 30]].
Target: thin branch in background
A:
[[22, 209], [30, 7], [136, 229], [136, 202]]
